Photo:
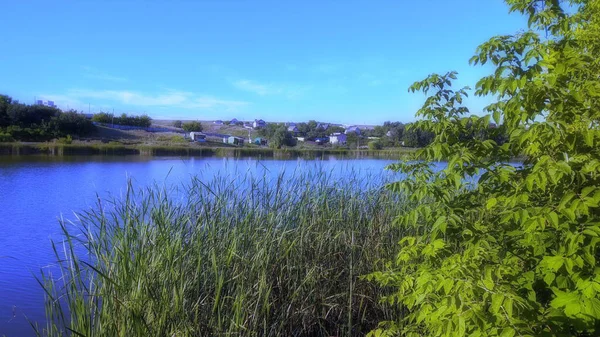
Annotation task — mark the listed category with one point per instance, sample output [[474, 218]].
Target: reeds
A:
[[277, 255], [177, 149]]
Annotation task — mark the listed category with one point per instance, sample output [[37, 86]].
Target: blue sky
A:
[[336, 61]]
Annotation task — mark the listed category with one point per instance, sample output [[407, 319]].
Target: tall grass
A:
[[266, 256], [177, 149]]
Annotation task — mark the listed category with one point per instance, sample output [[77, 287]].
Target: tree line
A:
[[143, 121], [23, 122]]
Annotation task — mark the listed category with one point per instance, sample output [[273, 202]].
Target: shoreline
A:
[[53, 149]]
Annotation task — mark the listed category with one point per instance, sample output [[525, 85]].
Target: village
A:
[[322, 133]]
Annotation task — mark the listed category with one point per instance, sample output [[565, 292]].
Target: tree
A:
[[192, 126], [516, 253], [352, 139], [5, 102], [281, 137], [415, 136], [72, 123], [375, 145], [103, 117], [335, 129], [177, 124]]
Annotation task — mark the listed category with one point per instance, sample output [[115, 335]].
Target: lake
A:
[[36, 191]]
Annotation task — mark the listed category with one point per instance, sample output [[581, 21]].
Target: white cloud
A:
[[168, 99], [94, 73], [257, 88], [263, 89]]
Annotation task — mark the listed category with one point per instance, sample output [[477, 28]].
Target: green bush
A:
[[172, 139], [192, 126], [375, 145], [5, 138], [65, 140]]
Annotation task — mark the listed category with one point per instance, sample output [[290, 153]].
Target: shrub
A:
[[192, 126], [5, 138], [375, 145], [65, 140]]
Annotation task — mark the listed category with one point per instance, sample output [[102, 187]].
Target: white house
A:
[[259, 123], [197, 136], [233, 140], [337, 138]]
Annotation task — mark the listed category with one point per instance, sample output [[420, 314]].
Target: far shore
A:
[[110, 149]]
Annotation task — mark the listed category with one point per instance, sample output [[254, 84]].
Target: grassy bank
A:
[[276, 256], [158, 150]]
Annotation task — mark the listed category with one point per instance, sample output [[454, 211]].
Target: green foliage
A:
[[281, 137], [177, 124], [277, 135], [375, 145], [335, 129], [72, 122], [5, 137], [497, 249], [103, 117], [5, 102], [192, 126], [353, 140], [143, 121], [65, 140], [39, 123], [172, 139]]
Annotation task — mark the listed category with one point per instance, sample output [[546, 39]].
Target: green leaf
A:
[[549, 278], [553, 219], [507, 332], [496, 116], [564, 299], [491, 203], [593, 307], [497, 300]]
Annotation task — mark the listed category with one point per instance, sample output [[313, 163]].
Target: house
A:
[[321, 141], [218, 122], [323, 126], [233, 140], [338, 138], [290, 124], [352, 129], [46, 103], [293, 129], [233, 121], [260, 141], [197, 136], [259, 123]]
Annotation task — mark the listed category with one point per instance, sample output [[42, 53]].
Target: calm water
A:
[[36, 191]]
